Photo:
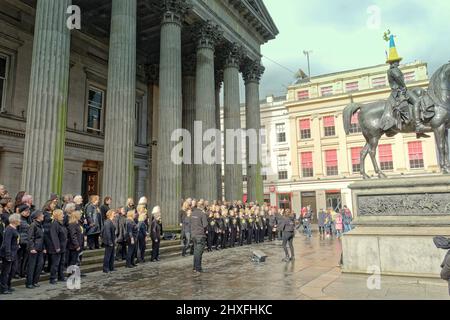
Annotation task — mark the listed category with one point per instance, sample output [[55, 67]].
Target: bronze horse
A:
[[439, 122]]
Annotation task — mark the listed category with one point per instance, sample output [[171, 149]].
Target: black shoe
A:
[[292, 258], [62, 279], [11, 289], [53, 282], [36, 285], [30, 286], [6, 292], [158, 259], [105, 271], [16, 276]]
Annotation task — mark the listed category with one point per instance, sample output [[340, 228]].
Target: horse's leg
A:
[[362, 160], [373, 152], [442, 146]]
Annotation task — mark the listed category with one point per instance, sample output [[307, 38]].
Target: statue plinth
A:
[[395, 222]]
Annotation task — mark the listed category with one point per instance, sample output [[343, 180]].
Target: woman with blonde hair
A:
[[131, 239], [57, 247], [94, 217], [155, 233], [109, 240], [142, 235], [75, 238]]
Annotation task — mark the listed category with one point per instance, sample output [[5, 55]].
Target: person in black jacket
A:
[[234, 228], [131, 239], [35, 250], [75, 238], [155, 233], [186, 230], [109, 240], [57, 247], [120, 222], [288, 231], [142, 234], [48, 209], [8, 253], [94, 220], [22, 254], [199, 224], [243, 226], [104, 208]]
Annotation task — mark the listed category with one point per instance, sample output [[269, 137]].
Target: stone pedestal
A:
[[395, 222]]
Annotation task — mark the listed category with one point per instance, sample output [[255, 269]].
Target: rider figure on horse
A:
[[400, 93]]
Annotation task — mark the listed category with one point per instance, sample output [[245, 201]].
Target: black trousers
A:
[[262, 234], [225, 238], [256, 234], [57, 266], [35, 265], [92, 241], [121, 250], [242, 234], [288, 238], [8, 271], [142, 246], [186, 242], [249, 236], [73, 257], [199, 245], [131, 254], [211, 235], [271, 234], [155, 249], [233, 234], [22, 260], [108, 259]]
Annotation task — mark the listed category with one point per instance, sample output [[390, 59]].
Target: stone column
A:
[[232, 124], [206, 36], [152, 75], [43, 163], [252, 75], [118, 170], [189, 69], [169, 174], [219, 81]]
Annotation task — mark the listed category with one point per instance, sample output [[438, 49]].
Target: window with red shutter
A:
[[326, 91], [356, 159], [354, 124], [415, 154], [352, 86], [307, 164], [329, 127], [303, 94], [305, 129], [331, 162], [385, 157]]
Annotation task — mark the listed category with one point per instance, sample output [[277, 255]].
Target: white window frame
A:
[[92, 87]]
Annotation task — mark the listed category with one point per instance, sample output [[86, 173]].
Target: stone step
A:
[[94, 261], [164, 243]]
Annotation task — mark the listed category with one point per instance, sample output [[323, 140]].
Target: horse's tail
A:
[[348, 113]]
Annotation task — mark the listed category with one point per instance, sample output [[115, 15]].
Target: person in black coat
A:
[[35, 250], [104, 208], [142, 235], [48, 209], [109, 240], [131, 239], [120, 222], [22, 254], [8, 253], [75, 238], [243, 226], [94, 220], [288, 233], [57, 247], [234, 228], [155, 234], [186, 230]]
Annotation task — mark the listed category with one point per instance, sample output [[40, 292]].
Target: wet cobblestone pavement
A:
[[230, 274]]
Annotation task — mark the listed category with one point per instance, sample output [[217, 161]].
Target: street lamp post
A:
[[307, 53]]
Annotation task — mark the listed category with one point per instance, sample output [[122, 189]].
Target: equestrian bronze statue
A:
[[406, 111]]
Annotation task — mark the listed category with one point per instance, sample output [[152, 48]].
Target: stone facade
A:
[[120, 99]]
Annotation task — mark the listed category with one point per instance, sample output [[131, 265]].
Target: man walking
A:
[[198, 233]]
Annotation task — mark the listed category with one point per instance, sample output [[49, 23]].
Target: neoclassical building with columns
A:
[[92, 110]]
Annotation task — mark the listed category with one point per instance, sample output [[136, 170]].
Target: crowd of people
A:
[[34, 241]]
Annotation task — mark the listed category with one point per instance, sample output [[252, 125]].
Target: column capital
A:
[[189, 65], [152, 73], [252, 71], [174, 11], [206, 34], [232, 55]]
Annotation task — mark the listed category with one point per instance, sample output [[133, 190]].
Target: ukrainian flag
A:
[[393, 54]]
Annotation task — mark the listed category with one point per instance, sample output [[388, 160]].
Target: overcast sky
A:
[[343, 35]]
